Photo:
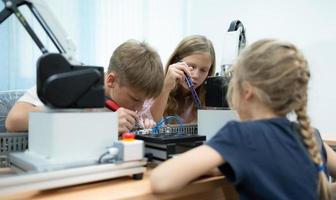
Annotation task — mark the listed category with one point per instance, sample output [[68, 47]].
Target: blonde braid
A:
[[280, 74], [307, 131], [310, 142]]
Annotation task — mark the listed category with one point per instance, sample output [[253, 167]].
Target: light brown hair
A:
[[138, 66], [280, 74], [190, 45]]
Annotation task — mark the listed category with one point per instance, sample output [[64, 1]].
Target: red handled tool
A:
[[110, 104]]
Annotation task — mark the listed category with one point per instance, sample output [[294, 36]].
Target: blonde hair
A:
[[190, 45], [280, 74], [138, 66]]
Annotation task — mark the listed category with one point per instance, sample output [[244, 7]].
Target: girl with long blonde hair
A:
[[265, 155]]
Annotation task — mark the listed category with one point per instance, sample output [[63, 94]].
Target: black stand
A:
[[11, 6], [234, 26]]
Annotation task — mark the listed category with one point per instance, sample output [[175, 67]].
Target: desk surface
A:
[[127, 188], [330, 142]]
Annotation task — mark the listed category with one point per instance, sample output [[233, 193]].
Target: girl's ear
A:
[[248, 90], [111, 80]]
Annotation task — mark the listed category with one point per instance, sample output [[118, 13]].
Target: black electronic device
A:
[[170, 140], [216, 88], [60, 84]]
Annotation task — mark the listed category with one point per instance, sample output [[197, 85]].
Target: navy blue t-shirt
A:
[[266, 159]]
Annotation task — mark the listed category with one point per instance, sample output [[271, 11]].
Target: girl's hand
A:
[[148, 123], [175, 74]]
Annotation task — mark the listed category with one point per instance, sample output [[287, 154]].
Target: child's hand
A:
[[127, 119], [148, 123], [175, 74]]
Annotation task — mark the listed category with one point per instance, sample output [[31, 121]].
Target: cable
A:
[[100, 160], [166, 120], [113, 152]]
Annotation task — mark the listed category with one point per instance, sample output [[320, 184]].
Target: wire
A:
[[100, 160], [167, 120], [112, 151]]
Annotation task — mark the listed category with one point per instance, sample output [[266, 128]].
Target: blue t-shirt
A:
[[266, 159]]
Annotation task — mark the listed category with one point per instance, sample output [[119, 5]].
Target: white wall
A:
[[96, 28], [103, 25], [309, 24]]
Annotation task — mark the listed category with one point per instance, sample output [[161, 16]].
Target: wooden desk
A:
[[330, 142], [127, 188]]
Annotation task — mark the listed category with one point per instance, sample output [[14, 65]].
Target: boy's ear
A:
[[248, 91], [111, 80]]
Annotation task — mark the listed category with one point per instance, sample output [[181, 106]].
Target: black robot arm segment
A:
[[62, 85], [7, 11], [11, 6], [4, 14]]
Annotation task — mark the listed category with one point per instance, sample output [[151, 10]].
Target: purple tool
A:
[[193, 91]]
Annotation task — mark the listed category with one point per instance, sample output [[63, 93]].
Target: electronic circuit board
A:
[[171, 134], [165, 142]]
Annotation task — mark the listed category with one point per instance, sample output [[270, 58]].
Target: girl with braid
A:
[[265, 155]]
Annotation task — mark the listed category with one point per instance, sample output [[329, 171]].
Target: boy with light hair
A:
[[135, 74]]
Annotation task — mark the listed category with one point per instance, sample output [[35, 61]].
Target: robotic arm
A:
[[239, 27], [48, 22], [216, 86], [235, 41], [61, 81]]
